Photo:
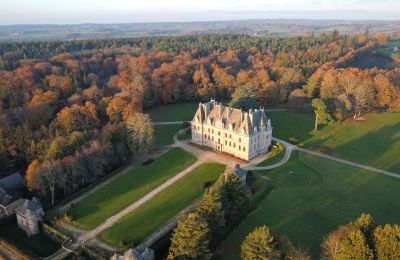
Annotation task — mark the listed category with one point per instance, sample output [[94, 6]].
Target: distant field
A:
[[127, 188], [319, 196], [173, 112], [142, 222], [164, 134], [375, 142], [39, 245]]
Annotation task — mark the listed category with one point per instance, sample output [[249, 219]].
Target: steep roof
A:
[[231, 118]]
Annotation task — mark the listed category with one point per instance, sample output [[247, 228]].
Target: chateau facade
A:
[[242, 134]]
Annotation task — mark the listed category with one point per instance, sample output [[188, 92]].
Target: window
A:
[[213, 138], [230, 136], [244, 149], [239, 148], [208, 129], [234, 145], [226, 135], [229, 143], [212, 130], [219, 140], [226, 142], [240, 139], [219, 133]]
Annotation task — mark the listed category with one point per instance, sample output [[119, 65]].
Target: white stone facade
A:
[[242, 134]]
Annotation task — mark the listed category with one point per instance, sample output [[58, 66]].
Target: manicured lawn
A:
[[39, 245], [127, 188], [142, 222], [164, 134], [173, 112], [314, 200], [275, 156], [375, 142]]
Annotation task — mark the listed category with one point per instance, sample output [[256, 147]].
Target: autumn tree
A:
[[140, 132], [244, 97]]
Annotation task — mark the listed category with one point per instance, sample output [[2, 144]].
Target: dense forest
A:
[[72, 111]]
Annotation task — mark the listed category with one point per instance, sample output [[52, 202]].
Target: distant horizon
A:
[[229, 17]]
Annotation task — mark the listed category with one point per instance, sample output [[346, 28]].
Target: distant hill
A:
[[282, 27]]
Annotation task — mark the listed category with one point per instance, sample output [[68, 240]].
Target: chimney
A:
[[220, 110]]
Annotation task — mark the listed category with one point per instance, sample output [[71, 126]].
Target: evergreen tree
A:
[[355, 247], [260, 244], [191, 238], [321, 112], [387, 242], [210, 207]]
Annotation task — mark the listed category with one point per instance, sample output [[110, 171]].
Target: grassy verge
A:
[[127, 188], [164, 134], [142, 222], [314, 199], [276, 155], [39, 245], [173, 112]]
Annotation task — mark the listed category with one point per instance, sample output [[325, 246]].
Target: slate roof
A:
[[231, 118], [29, 207], [4, 198], [12, 181]]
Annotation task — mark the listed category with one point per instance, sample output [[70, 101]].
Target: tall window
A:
[[240, 139], [244, 149], [219, 133]]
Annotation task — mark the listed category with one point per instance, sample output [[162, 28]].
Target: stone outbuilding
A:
[[238, 171], [135, 254], [30, 216]]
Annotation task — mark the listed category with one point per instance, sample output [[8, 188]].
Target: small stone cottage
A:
[[30, 216], [135, 254], [238, 171]]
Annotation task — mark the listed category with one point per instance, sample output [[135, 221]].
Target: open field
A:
[[164, 134], [142, 222], [173, 112], [375, 142], [127, 188], [39, 245], [314, 200]]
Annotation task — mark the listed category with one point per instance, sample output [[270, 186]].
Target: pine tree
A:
[[355, 247], [191, 238], [387, 242], [234, 197], [210, 207], [260, 244]]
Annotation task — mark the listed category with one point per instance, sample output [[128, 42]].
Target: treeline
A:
[[54, 107], [353, 91]]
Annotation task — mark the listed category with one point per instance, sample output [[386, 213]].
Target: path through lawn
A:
[[124, 190], [142, 222]]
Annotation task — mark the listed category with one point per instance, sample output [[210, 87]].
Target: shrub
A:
[[294, 140], [147, 162], [205, 185], [185, 124]]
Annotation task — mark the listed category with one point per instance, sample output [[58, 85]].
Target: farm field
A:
[[162, 207], [375, 142], [312, 201], [39, 245], [173, 112], [127, 188], [164, 134]]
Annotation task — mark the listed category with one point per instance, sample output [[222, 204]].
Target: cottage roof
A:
[[4, 198], [29, 207], [230, 118], [235, 169], [12, 181]]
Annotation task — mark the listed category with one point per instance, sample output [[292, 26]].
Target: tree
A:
[[244, 97], [210, 207], [387, 242], [140, 132], [355, 246], [321, 114], [260, 244], [386, 91], [191, 238]]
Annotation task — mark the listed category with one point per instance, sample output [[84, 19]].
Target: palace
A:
[[242, 134]]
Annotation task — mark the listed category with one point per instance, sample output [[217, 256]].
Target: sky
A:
[[125, 11]]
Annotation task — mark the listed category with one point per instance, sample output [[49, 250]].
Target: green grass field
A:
[[142, 222], [375, 142], [164, 134], [314, 200], [127, 188], [39, 245], [173, 112]]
